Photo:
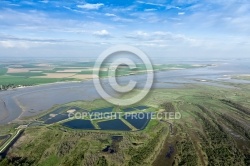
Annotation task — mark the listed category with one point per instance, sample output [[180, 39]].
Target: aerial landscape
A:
[[110, 83]]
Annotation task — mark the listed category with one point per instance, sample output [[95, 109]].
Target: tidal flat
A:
[[214, 128], [19, 103]]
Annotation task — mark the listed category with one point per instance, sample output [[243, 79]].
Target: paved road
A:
[[10, 141]]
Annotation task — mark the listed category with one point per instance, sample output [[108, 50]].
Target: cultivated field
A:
[[23, 74]]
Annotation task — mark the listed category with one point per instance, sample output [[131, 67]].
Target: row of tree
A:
[[8, 86]]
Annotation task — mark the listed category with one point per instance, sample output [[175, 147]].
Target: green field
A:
[[27, 81], [38, 73], [3, 71]]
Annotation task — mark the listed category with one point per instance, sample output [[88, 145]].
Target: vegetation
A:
[[186, 152], [9, 82], [3, 71], [237, 106], [143, 152], [27, 74], [213, 130]]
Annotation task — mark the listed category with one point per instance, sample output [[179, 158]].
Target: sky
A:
[[161, 28]]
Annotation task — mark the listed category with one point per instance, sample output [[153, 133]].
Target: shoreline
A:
[[86, 86]]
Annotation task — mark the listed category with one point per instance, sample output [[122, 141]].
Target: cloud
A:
[[12, 38], [120, 19], [74, 10], [207, 21], [90, 6], [161, 38], [110, 15], [102, 33], [224, 17], [181, 13], [169, 39], [37, 21], [117, 18], [172, 7], [44, 1], [167, 6], [152, 4], [149, 10], [9, 41], [147, 17], [15, 44]]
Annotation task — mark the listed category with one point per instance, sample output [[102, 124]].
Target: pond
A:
[[102, 113], [57, 118], [115, 124], [56, 111], [129, 109], [138, 120], [103, 110], [142, 107], [79, 124], [47, 117], [135, 108]]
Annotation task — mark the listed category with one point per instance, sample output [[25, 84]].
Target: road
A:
[[3, 148]]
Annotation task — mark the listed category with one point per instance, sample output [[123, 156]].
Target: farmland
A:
[[23, 74]]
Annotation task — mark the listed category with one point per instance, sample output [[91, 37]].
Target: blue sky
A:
[[174, 28]]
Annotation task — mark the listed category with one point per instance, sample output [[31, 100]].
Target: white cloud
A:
[[7, 44], [169, 39], [90, 6], [120, 19], [74, 10], [153, 4], [32, 22], [172, 7], [110, 15], [162, 38], [224, 17], [147, 17], [149, 10], [102, 33], [44, 1], [181, 13], [15, 44], [209, 22]]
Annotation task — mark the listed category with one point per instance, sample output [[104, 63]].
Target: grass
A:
[[27, 74], [86, 72], [90, 106], [51, 160], [26, 78], [27, 81], [7, 129], [153, 123], [28, 66], [242, 77], [209, 131], [3, 71], [71, 147]]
